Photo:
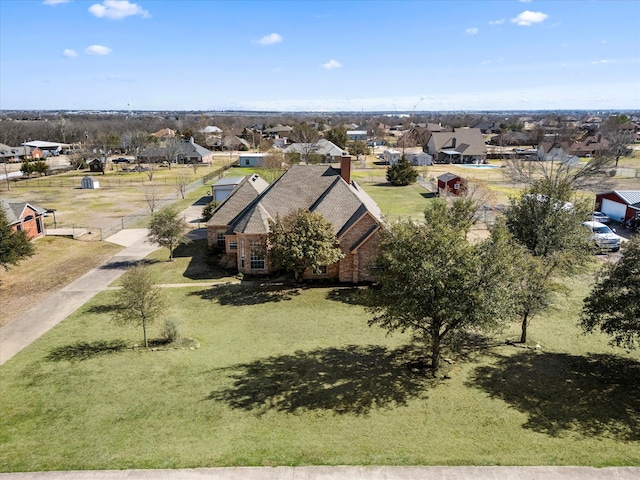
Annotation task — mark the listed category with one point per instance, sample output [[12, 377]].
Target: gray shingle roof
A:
[[318, 188], [246, 191], [14, 210], [468, 141]]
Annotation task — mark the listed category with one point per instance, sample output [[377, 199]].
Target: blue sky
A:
[[320, 55]]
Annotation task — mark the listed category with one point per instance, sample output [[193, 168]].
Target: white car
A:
[[599, 217], [603, 237]]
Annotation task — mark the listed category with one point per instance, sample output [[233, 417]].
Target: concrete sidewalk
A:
[[343, 473], [31, 325]]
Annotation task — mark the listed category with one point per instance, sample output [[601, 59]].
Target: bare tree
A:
[[274, 165], [589, 175], [182, 180], [152, 197], [307, 139]]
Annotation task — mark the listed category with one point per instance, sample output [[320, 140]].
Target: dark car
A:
[[121, 160]]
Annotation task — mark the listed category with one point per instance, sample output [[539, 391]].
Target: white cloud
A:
[[331, 64], [54, 2], [600, 62], [496, 22], [69, 53], [471, 31], [270, 39], [97, 50], [117, 9], [525, 1], [528, 18]]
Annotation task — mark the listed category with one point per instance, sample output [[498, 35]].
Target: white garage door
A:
[[613, 209]]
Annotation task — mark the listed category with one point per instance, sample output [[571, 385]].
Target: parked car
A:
[[603, 237], [121, 160], [599, 217]]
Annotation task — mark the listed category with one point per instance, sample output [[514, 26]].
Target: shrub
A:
[[171, 330], [207, 211]]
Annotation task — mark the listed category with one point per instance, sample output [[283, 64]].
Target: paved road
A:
[[343, 473]]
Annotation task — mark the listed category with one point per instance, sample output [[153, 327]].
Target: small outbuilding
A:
[[89, 183], [246, 159], [449, 183]]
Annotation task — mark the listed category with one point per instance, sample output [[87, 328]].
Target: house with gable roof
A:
[[463, 145], [25, 216], [239, 226]]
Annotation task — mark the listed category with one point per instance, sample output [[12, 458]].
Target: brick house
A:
[[25, 216], [239, 226]]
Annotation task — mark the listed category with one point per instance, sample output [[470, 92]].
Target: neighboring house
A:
[[251, 159], [631, 129], [210, 129], [329, 151], [279, 131], [555, 152], [511, 139], [449, 183], [589, 146], [181, 152], [357, 135], [463, 145], [239, 226], [164, 133], [14, 154], [25, 216], [619, 205]]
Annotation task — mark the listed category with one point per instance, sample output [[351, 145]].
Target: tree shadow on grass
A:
[[84, 350], [199, 267], [238, 295], [350, 380], [350, 296], [100, 309], [124, 264], [596, 395]]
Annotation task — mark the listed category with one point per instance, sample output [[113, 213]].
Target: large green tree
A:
[[546, 219], [139, 302], [168, 229], [613, 306], [432, 281], [358, 148], [401, 173], [302, 240], [338, 136], [14, 245]]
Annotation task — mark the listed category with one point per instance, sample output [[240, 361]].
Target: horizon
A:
[[320, 57]]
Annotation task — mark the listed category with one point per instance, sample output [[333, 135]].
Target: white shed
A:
[[419, 159], [89, 183], [391, 156]]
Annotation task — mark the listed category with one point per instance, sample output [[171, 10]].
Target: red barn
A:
[[448, 183]]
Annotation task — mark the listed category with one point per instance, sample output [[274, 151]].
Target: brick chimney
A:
[[345, 167]]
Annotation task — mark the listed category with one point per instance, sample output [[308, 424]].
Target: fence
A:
[[137, 218]]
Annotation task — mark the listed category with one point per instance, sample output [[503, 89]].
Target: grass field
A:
[[293, 376]]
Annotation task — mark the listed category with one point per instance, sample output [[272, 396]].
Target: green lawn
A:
[[290, 376]]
